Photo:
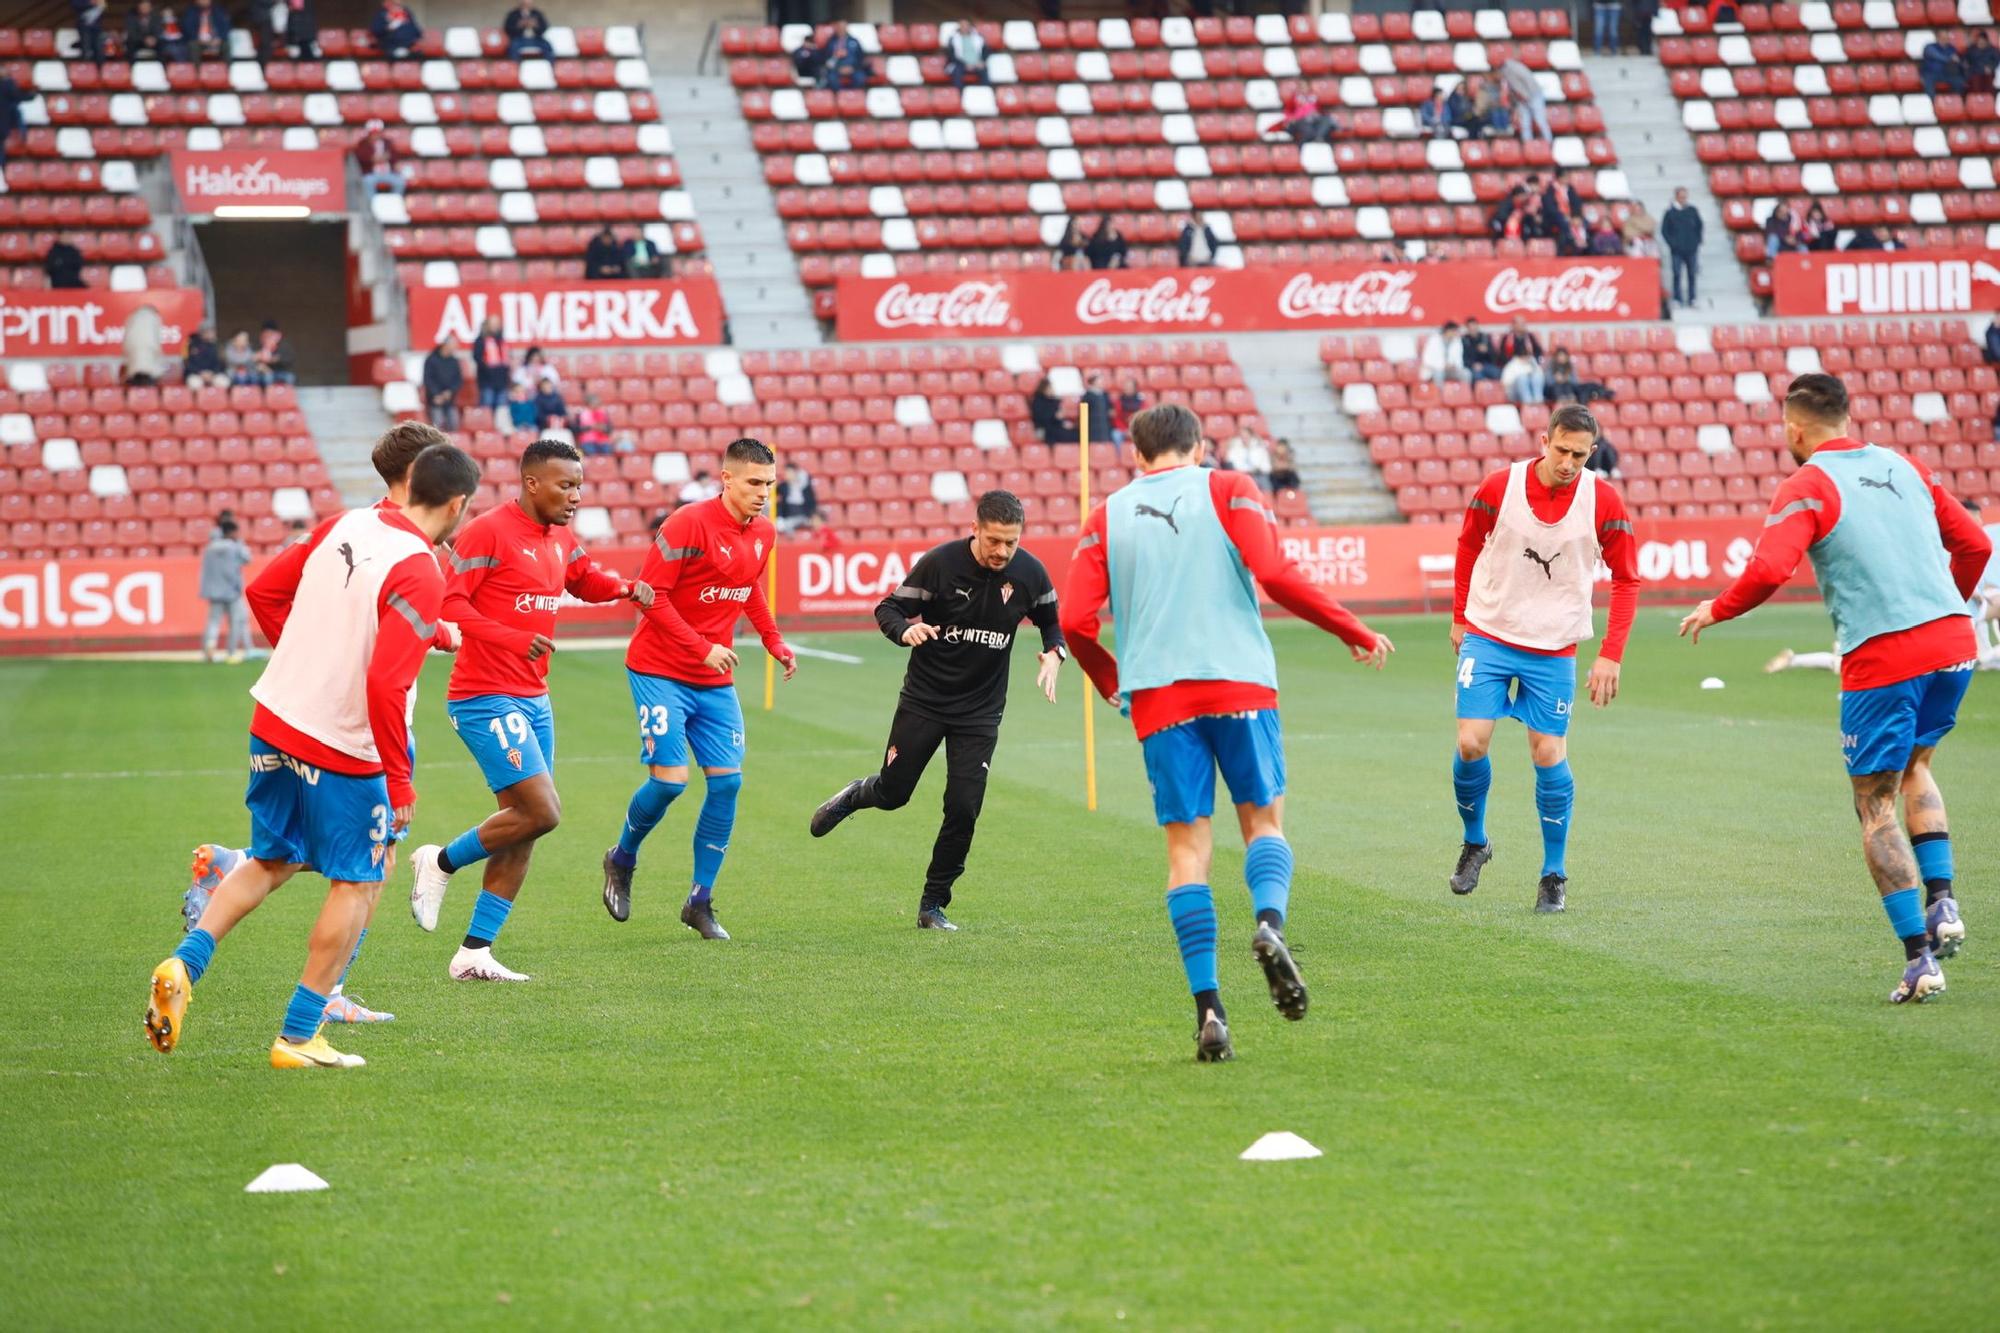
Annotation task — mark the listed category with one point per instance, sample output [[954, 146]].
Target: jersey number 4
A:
[[1465, 665]]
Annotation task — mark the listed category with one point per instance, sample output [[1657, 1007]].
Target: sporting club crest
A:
[[514, 758], [891, 757], [1006, 592], [760, 548]]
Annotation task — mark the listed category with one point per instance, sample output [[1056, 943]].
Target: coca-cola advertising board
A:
[[237, 182], [1206, 301], [572, 314], [1887, 282], [91, 323], [47, 605]]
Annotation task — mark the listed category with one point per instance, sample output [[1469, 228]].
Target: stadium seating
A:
[[1696, 417], [898, 440], [511, 165], [1147, 120], [1820, 103], [90, 468]]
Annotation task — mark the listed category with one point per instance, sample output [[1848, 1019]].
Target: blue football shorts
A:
[[675, 717], [1181, 763], [1496, 681], [511, 737], [1879, 728], [302, 814]]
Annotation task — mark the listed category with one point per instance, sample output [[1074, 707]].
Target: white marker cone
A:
[[285, 1178], [1712, 683], [1283, 1146]]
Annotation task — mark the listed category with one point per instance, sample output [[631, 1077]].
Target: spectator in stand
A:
[[205, 29], [1604, 41], [1301, 119], [1198, 245], [1818, 232], [1991, 347], [376, 157], [12, 96], [526, 28], [294, 29], [63, 264], [274, 355], [444, 380], [1531, 104], [1250, 454], [1781, 230], [1107, 248], [489, 363], [604, 258], [964, 54], [145, 363], [1902, 238], [1045, 410], [519, 409], [700, 487], [1098, 401], [1604, 237], [1127, 405], [592, 426], [1435, 114], [1443, 357], [535, 368], [842, 61], [1572, 236], [146, 35], [1681, 228], [1565, 387], [550, 409], [1284, 468], [1069, 250], [1941, 68], [1561, 199], [1483, 115], [1477, 352], [396, 31], [1603, 459], [1521, 373], [1982, 61], [201, 364], [798, 502], [89, 29], [1643, 14], [222, 562], [1639, 233], [1509, 219], [643, 259], [240, 358]]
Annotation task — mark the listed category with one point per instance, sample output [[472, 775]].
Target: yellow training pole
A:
[[1082, 517], [770, 662]]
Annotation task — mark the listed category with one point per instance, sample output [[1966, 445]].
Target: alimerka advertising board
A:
[[572, 314]]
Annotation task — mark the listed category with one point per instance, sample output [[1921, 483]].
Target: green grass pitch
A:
[[1684, 1104]]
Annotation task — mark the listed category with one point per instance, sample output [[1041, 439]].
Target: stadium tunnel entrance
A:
[[293, 272]]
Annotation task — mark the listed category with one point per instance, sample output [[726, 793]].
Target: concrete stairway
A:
[[1284, 372], [767, 304], [1643, 120], [346, 422]]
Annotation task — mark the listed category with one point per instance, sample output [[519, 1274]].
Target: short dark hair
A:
[[1168, 428], [1573, 419], [399, 447], [747, 450], [1001, 507], [227, 527], [440, 474], [1821, 397], [543, 450]]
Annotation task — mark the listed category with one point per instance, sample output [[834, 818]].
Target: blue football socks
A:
[[1471, 779], [359, 940], [1906, 914], [1933, 863], [464, 850], [489, 913], [1267, 868], [648, 808], [712, 830], [195, 950], [1555, 799], [304, 1014], [1192, 910]]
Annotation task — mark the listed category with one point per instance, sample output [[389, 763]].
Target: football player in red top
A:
[[707, 563]]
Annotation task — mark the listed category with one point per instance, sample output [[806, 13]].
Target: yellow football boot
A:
[[314, 1054], [167, 1006]]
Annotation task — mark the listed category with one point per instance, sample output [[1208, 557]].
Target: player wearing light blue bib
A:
[[1177, 556], [1896, 558]]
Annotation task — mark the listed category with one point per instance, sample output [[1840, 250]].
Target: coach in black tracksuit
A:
[[956, 611]]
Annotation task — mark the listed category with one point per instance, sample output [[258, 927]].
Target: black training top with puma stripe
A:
[[960, 677]]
